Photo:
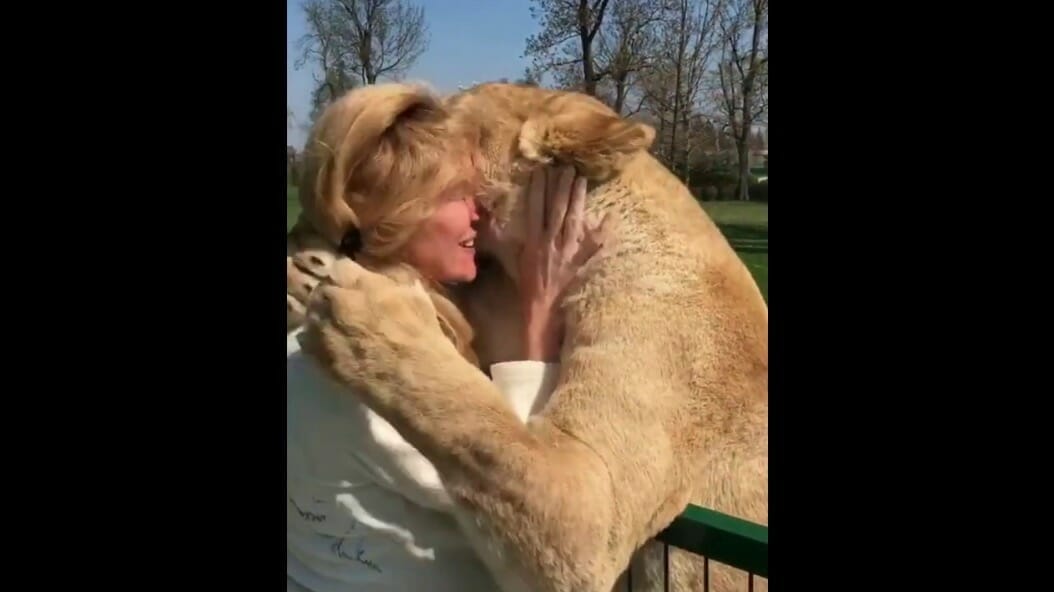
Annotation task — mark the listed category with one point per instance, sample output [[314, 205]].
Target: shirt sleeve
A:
[[526, 385]]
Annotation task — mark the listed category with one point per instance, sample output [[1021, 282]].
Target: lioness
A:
[[663, 398]]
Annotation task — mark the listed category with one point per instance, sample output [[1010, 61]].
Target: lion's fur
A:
[[663, 395], [674, 310], [308, 259]]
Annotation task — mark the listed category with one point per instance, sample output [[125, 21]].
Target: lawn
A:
[[746, 224]]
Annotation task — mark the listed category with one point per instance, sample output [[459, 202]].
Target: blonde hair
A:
[[376, 161]]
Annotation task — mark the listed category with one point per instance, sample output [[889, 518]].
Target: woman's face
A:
[[443, 248]]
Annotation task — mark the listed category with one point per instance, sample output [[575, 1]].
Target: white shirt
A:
[[366, 511]]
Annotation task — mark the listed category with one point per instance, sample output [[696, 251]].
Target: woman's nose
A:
[[473, 210]]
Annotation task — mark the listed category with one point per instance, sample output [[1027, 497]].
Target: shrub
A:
[[707, 193], [759, 191]]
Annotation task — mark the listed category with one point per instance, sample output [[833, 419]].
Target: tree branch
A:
[[598, 14]]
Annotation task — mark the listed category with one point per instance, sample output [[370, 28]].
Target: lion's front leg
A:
[[536, 501], [365, 329]]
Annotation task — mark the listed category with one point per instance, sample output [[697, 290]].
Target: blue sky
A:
[[470, 40]]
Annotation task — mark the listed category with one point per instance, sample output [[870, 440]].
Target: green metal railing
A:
[[716, 537]]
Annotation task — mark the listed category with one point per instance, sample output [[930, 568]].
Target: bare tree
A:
[[743, 75], [569, 30], [323, 46], [757, 140], [696, 69], [382, 37], [672, 88], [626, 48], [351, 42]]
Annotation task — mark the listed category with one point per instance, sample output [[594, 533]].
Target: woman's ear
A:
[[580, 130]]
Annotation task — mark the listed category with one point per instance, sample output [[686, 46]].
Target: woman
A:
[[390, 180]]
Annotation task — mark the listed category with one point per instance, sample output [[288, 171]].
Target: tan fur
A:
[[663, 398], [308, 260]]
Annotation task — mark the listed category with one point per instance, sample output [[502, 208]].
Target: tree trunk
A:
[[589, 82], [620, 94], [687, 148], [677, 85], [742, 187], [659, 146]]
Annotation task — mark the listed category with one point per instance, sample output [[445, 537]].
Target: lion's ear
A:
[[579, 130]]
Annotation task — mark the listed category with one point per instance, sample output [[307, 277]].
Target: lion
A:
[[663, 395]]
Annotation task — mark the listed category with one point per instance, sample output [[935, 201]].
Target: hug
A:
[[517, 349]]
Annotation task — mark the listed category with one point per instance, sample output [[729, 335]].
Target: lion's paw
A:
[[405, 305], [308, 261], [364, 325]]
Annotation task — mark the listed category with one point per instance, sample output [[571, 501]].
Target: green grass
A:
[[741, 213], [746, 224]]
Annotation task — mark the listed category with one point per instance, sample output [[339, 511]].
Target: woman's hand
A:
[[560, 242]]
